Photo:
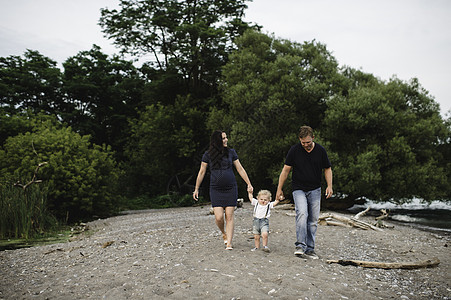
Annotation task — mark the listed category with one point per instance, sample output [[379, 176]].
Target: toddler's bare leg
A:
[[265, 238], [257, 240]]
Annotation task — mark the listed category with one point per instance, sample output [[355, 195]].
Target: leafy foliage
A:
[[192, 38], [81, 177], [163, 143], [386, 137], [102, 93], [30, 83]]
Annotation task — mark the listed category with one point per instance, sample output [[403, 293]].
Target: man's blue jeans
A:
[[307, 206]]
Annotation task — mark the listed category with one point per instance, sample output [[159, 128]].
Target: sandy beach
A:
[[179, 254]]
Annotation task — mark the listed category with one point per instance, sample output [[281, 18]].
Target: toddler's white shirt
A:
[[260, 210]]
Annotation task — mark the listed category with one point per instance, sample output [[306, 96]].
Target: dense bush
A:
[[81, 177]]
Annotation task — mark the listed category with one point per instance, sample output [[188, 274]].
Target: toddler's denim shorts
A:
[[260, 225]]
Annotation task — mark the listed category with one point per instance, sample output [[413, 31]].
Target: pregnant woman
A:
[[223, 187]]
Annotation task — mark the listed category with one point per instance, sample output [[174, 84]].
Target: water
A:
[[435, 217]]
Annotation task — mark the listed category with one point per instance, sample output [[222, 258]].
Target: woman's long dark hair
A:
[[217, 150]]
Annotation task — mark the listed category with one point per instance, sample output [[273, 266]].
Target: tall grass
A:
[[23, 212]]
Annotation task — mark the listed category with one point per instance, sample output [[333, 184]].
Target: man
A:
[[307, 159]]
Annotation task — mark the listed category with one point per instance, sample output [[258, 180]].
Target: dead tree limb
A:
[[33, 180], [429, 263], [285, 206], [362, 213], [328, 219], [383, 216]]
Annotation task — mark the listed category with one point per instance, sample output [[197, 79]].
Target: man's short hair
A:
[[305, 131]]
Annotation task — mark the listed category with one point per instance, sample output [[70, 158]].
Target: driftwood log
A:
[[338, 220], [334, 219], [429, 263], [285, 206], [362, 213]]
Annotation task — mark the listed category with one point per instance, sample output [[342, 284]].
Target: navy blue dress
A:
[[223, 187]]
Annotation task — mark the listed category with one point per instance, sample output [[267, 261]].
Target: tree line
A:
[[115, 135]]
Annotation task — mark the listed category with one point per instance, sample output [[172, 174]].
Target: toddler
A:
[[262, 211]]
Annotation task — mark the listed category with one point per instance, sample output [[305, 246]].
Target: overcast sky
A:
[[405, 38]]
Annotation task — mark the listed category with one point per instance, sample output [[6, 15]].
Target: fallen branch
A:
[[33, 180], [328, 219], [430, 263], [285, 206], [383, 216], [362, 213], [335, 223]]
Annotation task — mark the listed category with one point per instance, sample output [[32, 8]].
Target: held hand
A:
[[280, 196], [250, 188], [251, 196], [329, 192]]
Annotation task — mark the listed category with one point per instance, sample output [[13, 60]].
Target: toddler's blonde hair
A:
[[265, 192]]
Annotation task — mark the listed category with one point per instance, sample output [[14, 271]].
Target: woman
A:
[[223, 187]]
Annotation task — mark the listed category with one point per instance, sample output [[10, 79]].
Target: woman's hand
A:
[[250, 188], [196, 195]]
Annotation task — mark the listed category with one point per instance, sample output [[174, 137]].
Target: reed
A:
[[23, 211]]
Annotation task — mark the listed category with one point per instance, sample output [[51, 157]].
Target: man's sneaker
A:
[[312, 254], [299, 252], [266, 249]]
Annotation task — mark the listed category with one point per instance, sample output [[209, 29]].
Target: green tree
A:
[[384, 137], [162, 145], [102, 93], [32, 82], [190, 39], [22, 122], [270, 88], [12, 124], [81, 177]]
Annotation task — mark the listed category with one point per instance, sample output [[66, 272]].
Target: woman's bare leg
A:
[[219, 218], [229, 214]]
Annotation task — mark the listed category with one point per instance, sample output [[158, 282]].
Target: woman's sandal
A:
[[229, 247]]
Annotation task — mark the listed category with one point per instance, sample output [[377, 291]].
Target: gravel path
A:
[[179, 254]]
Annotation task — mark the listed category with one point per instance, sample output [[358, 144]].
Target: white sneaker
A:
[[266, 249], [312, 254], [299, 252]]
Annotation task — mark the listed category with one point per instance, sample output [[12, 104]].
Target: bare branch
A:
[[33, 180]]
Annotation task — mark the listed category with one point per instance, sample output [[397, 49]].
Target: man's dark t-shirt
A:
[[307, 166]]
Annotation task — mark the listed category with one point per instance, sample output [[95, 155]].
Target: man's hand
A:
[[329, 192], [280, 196]]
